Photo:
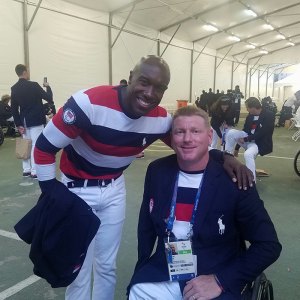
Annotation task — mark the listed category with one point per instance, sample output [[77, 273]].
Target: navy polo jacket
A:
[[59, 228]]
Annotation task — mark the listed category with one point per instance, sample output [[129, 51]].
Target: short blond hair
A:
[[189, 111]]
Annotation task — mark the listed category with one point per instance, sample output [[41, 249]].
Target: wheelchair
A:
[[7, 128], [297, 163], [260, 289]]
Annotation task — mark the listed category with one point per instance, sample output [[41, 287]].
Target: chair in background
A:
[[296, 135]]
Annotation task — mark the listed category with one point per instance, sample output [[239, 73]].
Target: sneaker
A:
[[26, 174], [33, 176]]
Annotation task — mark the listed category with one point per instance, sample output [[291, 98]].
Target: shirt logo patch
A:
[[151, 204], [144, 141], [69, 116]]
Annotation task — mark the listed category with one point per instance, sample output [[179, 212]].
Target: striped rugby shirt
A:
[[188, 184], [99, 140]]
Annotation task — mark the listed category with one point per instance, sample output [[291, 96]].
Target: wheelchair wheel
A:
[[262, 289], [297, 163], [1, 136]]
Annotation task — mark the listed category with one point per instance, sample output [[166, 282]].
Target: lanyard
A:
[[173, 206]]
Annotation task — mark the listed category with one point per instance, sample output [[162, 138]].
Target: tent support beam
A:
[[241, 61], [224, 56], [110, 50], [191, 73], [25, 33], [202, 49], [170, 40], [246, 80], [121, 29], [34, 14]]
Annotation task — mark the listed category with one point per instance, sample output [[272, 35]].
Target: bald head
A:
[[154, 61]]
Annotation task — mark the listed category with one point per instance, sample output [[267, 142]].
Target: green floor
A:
[[280, 192]]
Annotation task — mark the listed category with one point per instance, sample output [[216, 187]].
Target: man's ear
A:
[[130, 77]]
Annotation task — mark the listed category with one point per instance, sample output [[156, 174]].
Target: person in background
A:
[[222, 119], [190, 203], [203, 103], [289, 106], [28, 111], [237, 96], [101, 130], [123, 82], [267, 103], [256, 136], [211, 99], [6, 118]]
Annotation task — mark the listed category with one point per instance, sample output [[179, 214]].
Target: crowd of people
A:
[[208, 99], [101, 130]]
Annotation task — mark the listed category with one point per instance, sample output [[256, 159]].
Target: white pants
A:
[[251, 149], [108, 203], [31, 133], [216, 138], [166, 290]]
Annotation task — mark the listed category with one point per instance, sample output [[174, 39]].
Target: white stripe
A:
[[46, 172], [56, 137], [118, 120], [18, 287], [10, 235], [141, 125], [100, 160]]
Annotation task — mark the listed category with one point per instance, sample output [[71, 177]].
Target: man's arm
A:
[[267, 125], [46, 95], [255, 226], [55, 136], [146, 231], [237, 171]]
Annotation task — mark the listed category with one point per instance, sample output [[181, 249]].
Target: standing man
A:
[[256, 136], [191, 205], [237, 96], [28, 111], [101, 130]]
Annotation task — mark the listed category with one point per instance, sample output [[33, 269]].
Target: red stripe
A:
[[105, 96], [70, 131], [184, 212], [120, 151], [68, 168], [43, 158]]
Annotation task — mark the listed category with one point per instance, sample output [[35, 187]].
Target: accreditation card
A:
[[180, 259]]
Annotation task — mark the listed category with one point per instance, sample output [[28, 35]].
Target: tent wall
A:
[[69, 45]]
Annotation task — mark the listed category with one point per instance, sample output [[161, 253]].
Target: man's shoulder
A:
[[164, 162]]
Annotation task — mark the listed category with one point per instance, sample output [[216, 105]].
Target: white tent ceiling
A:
[[272, 33]]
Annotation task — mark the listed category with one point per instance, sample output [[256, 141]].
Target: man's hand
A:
[[241, 141], [238, 172], [45, 84], [203, 287], [21, 130]]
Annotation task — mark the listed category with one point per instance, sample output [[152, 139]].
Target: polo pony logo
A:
[[221, 225]]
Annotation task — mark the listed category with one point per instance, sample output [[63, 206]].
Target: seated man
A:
[[6, 118], [289, 106], [191, 202], [256, 136]]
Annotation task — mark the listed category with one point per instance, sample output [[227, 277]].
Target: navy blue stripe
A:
[[186, 195], [81, 163], [81, 119], [115, 137], [44, 145]]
